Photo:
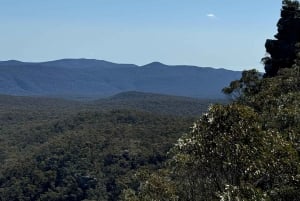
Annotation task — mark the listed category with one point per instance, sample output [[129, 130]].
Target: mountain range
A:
[[92, 79]]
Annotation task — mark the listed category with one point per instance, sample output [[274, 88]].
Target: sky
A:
[[212, 33]]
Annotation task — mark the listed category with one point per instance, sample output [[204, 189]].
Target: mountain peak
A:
[[11, 62], [96, 78], [155, 64]]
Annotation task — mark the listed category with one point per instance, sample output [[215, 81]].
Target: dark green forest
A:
[[52, 149], [246, 150], [147, 147]]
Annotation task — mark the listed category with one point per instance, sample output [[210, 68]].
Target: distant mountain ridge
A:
[[135, 101], [91, 78]]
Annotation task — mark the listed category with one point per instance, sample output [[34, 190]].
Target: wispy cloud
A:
[[211, 15]]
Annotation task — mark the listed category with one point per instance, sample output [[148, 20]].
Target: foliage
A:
[[88, 155], [229, 153], [247, 85], [283, 51], [247, 150], [277, 102]]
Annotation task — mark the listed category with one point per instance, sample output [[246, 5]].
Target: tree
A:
[[245, 87], [247, 150], [227, 153], [283, 50]]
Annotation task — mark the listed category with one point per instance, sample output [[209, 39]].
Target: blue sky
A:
[[217, 33]]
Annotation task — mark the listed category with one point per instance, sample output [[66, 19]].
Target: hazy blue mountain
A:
[[89, 78]]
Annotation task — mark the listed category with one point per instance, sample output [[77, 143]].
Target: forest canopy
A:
[[245, 150], [248, 149]]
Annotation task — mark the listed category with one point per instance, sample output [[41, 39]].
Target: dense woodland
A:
[[249, 149], [149, 149], [52, 149]]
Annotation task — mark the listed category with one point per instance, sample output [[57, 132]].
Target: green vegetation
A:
[[141, 147], [92, 155], [53, 149], [283, 50], [159, 104], [247, 150]]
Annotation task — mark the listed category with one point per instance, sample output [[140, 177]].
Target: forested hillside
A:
[[93, 79], [147, 102], [54, 149], [246, 150], [90, 155], [158, 103], [149, 147]]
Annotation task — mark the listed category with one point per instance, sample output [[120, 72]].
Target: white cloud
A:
[[211, 15]]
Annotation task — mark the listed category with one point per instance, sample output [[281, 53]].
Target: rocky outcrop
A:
[[282, 50]]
